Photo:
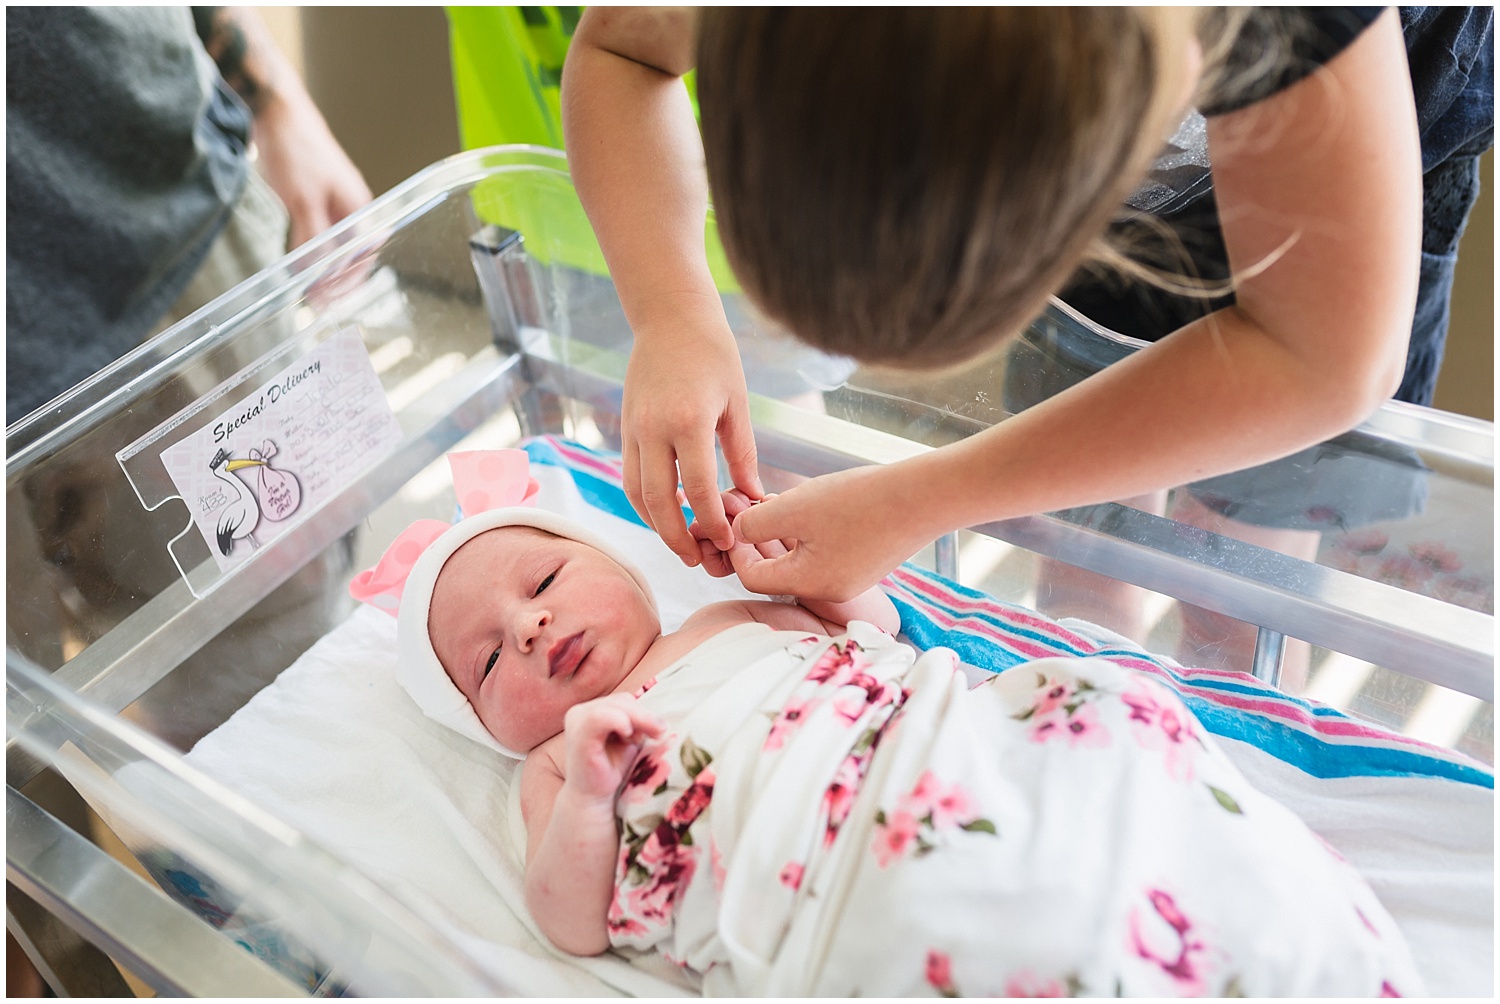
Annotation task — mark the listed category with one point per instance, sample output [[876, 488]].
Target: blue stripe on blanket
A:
[[1318, 755], [993, 635], [596, 491]]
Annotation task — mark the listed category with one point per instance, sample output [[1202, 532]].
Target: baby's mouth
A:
[[564, 656]]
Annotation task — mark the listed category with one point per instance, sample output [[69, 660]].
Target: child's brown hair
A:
[[918, 210]]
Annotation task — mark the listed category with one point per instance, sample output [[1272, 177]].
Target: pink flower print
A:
[[1051, 695], [940, 972], [876, 692], [1404, 571], [691, 803], [893, 835], [1028, 984], [839, 797], [652, 903], [716, 862], [947, 806], [849, 707], [1172, 724], [862, 692], [1142, 703], [1436, 556], [1175, 961], [649, 772], [1364, 541], [660, 849], [1386, 990], [1084, 729], [791, 875], [1166, 907], [927, 790], [834, 666], [1161, 723], [621, 927], [671, 867], [786, 722], [954, 808], [1048, 726], [641, 691]]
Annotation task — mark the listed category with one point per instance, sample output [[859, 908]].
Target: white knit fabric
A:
[[418, 669]]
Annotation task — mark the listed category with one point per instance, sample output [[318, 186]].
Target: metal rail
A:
[[1417, 635], [119, 913], [150, 643]]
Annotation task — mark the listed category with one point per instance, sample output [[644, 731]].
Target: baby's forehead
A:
[[506, 540]]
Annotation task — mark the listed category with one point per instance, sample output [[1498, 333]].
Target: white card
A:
[[259, 468]]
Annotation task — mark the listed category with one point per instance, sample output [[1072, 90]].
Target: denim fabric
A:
[[1451, 53]]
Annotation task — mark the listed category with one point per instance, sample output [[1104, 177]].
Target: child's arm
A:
[[1315, 342], [637, 162], [569, 809]]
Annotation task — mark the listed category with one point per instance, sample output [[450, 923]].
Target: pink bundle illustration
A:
[[277, 495], [280, 492]]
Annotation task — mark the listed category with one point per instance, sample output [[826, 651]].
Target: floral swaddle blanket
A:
[[842, 817]]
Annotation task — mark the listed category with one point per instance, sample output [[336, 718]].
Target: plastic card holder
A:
[[261, 452]]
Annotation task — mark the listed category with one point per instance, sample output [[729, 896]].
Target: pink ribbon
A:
[[482, 480]]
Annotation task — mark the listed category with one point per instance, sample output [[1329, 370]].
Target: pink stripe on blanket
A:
[[578, 457], [951, 609]]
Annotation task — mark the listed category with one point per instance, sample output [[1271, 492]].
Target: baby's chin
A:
[[523, 741]]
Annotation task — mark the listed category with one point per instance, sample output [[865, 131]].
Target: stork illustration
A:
[[241, 516]]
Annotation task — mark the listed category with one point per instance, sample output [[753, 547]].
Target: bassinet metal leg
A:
[[511, 298], [945, 555], [1270, 646]]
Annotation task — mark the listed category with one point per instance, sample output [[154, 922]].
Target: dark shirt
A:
[[124, 154]]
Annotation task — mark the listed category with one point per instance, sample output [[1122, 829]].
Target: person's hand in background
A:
[[298, 154]]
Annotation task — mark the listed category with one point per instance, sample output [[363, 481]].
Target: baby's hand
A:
[[600, 740], [721, 563]]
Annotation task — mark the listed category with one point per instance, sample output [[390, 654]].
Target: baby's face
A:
[[527, 625]]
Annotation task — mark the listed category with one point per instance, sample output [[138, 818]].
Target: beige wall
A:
[[1467, 381], [381, 75]]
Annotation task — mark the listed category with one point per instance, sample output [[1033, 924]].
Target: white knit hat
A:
[[417, 668]]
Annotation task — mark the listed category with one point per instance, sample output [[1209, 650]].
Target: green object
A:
[[507, 68], [507, 76]]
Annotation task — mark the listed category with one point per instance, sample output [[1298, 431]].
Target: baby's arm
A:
[[872, 606], [569, 809]]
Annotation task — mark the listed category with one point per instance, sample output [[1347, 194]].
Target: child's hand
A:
[[601, 738], [720, 563]]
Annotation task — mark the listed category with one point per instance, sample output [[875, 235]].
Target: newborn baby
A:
[[782, 799], [547, 632]]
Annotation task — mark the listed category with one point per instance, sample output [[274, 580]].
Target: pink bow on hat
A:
[[482, 480]]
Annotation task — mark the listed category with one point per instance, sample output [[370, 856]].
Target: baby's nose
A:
[[533, 623]]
